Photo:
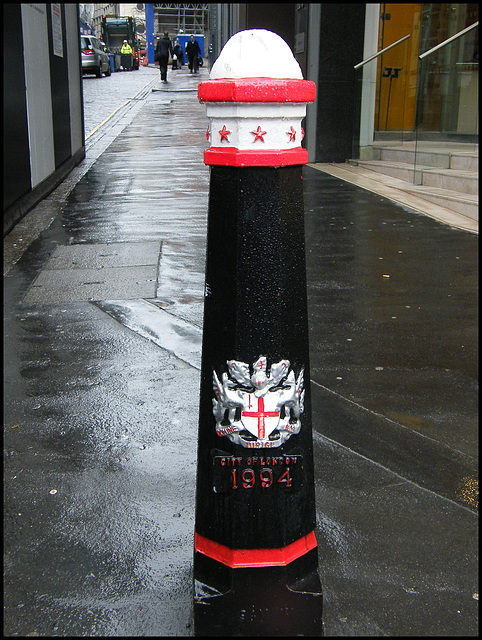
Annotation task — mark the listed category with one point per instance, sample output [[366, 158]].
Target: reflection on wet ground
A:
[[101, 413]]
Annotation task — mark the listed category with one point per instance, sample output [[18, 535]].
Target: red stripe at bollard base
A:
[[245, 558], [255, 551]]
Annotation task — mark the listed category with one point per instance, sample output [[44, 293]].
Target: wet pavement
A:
[[103, 318]]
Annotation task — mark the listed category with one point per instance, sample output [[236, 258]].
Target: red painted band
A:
[[232, 157], [246, 558], [256, 90]]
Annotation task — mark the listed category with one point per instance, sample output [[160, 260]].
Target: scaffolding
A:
[[181, 18]]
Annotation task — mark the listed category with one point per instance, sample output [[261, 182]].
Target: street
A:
[[102, 96], [103, 299]]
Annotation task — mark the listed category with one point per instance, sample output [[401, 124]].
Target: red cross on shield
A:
[[261, 422]]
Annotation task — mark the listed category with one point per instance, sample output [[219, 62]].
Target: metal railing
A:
[[375, 55], [448, 41]]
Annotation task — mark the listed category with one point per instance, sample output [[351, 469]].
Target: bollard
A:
[[255, 556]]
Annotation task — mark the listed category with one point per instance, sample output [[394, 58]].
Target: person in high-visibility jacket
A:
[[126, 47], [126, 56]]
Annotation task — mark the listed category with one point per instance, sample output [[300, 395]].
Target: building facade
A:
[[43, 120], [398, 95]]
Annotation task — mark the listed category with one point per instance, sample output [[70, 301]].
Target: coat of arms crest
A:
[[258, 409]]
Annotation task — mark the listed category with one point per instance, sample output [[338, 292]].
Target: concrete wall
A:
[[43, 106]]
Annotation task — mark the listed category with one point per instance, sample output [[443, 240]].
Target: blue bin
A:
[[111, 61], [184, 39]]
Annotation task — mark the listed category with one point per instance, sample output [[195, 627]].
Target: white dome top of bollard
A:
[[255, 100], [256, 53]]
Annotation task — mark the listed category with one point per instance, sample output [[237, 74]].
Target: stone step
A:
[[400, 170], [465, 161], [465, 204], [451, 179], [445, 159], [407, 156]]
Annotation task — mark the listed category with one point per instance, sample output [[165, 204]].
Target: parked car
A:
[[94, 58]]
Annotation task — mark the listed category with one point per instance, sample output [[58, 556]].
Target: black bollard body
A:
[[255, 560]]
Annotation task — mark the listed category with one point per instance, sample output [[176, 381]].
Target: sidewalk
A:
[[103, 319]]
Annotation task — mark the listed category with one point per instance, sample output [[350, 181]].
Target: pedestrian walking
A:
[[163, 49], [177, 56], [193, 52]]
